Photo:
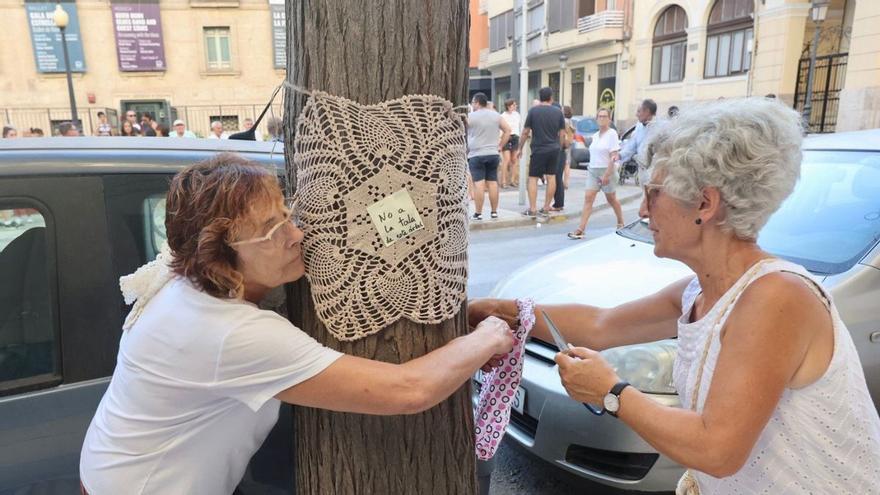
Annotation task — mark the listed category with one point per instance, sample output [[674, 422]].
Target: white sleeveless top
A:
[[823, 438]]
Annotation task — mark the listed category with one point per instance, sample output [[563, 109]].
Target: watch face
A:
[[611, 402]]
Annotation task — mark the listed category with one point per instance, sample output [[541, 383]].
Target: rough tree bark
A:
[[370, 52]]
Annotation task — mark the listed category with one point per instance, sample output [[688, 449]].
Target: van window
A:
[[28, 338], [154, 216]]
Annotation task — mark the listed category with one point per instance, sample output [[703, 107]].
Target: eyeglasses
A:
[[652, 190], [273, 234]]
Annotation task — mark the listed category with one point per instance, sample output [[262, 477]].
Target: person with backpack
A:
[[562, 166]]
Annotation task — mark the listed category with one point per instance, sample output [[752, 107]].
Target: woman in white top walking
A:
[[202, 369], [773, 396], [509, 171], [602, 173]]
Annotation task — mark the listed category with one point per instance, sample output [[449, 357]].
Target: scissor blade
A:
[[561, 344]]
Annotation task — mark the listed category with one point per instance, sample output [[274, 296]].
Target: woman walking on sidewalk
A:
[[510, 151], [602, 174]]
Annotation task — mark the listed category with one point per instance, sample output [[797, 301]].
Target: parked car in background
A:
[[830, 224], [87, 211], [584, 128]]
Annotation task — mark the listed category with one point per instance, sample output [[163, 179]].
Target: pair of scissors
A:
[[563, 346]]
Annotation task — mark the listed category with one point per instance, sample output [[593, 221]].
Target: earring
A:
[[699, 221]]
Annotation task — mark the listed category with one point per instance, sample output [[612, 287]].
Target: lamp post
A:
[[563, 58], [61, 20], [523, 93], [514, 66], [818, 11]]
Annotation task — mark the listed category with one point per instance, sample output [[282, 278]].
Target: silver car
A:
[[830, 224]]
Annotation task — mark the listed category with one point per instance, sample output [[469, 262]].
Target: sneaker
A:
[[494, 215], [477, 216], [529, 213], [576, 235]]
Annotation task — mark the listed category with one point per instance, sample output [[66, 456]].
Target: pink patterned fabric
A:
[[499, 387]]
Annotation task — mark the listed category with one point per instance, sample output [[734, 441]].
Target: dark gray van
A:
[[75, 215]]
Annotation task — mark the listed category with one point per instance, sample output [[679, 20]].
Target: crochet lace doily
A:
[[350, 156]]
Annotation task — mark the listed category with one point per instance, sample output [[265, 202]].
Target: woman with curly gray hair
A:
[[773, 396]]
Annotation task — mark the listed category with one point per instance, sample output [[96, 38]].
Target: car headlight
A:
[[648, 367]]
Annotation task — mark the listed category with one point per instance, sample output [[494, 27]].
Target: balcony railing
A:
[[484, 57], [604, 19]]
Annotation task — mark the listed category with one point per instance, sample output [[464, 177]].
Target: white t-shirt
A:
[[601, 148], [192, 396], [514, 120]]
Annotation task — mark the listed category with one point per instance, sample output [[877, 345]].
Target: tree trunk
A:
[[370, 52]]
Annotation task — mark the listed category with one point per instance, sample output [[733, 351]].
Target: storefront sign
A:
[[138, 29], [46, 38], [279, 33]]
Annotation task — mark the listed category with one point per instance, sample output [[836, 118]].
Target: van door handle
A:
[[875, 337]]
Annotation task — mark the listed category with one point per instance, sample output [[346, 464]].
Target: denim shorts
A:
[[594, 184], [484, 167]]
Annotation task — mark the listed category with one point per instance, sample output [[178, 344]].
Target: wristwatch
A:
[[612, 398]]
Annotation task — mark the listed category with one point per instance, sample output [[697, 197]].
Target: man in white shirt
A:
[[248, 124], [635, 146], [180, 130], [217, 131]]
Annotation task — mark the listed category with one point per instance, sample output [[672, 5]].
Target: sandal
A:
[[576, 235], [619, 226], [494, 214], [529, 213], [561, 208]]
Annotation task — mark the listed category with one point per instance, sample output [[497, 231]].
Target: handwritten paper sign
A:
[[395, 217]]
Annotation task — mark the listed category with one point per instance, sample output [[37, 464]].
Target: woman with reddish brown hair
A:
[[202, 369]]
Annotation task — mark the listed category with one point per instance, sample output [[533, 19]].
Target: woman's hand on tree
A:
[[496, 331]]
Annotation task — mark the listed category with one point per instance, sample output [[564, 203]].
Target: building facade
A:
[[615, 53], [480, 80], [196, 60]]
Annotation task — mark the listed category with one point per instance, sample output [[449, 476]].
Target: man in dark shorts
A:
[[484, 126], [545, 124]]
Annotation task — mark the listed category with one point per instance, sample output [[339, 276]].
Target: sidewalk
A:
[[510, 211]]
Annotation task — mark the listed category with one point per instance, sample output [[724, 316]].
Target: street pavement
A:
[[510, 211], [493, 254]]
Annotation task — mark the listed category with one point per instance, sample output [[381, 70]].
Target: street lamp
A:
[[61, 20], [514, 66], [818, 11], [563, 58]]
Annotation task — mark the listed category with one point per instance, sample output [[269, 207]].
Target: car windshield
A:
[[832, 218], [830, 221], [587, 125]]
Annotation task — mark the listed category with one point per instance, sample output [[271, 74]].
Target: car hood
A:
[[605, 272]]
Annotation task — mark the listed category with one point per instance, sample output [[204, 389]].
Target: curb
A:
[[489, 224]]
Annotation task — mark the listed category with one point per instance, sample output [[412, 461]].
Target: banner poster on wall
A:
[[279, 33], [46, 37], [138, 29]]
